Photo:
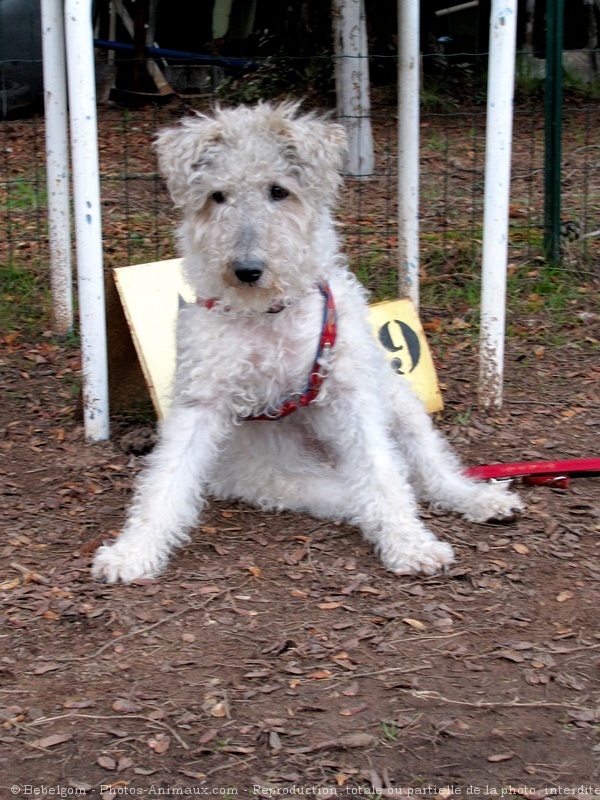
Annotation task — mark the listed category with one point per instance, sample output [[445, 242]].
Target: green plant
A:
[[464, 417], [575, 85], [245, 89], [542, 285], [529, 77], [390, 730], [377, 274], [24, 299], [277, 75], [435, 99], [25, 195], [436, 142]]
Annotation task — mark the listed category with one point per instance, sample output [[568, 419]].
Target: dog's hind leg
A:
[[276, 465], [167, 498], [436, 473]]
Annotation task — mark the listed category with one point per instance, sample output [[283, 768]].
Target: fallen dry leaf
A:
[[357, 740], [48, 666], [158, 714], [500, 757], [125, 706], [75, 702], [189, 774], [8, 585], [511, 655], [320, 674], [124, 763], [350, 712], [561, 597], [585, 715], [52, 740], [106, 762], [543, 660], [159, 743], [275, 740], [256, 571], [219, 710], [522, 549], [414, 623], [208, 736], [535, 678], [570, 681]]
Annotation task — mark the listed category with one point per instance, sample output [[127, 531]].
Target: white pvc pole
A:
[[501, 73], [57, 164], [352, 84], [408, 149], [88, 224]]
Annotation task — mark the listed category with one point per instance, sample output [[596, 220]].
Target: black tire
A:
[[14, 96]]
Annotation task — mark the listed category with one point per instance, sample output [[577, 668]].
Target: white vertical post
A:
[[353, 93], [501, 73], [57, 164], [408, 149], [88, 225]]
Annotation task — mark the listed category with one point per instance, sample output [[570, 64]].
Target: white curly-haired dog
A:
[[282, 397]]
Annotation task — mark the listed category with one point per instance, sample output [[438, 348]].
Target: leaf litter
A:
[[275, 649]]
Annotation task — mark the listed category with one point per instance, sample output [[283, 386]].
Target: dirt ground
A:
[[275, 655]]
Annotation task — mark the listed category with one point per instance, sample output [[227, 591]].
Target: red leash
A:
[[551, 473]]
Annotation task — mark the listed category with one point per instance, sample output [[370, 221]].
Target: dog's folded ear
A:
[[319, 147], [182, 150]]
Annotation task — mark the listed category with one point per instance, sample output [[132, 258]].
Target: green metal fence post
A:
[[553, 125]]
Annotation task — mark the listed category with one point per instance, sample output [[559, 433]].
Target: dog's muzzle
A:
[[248, 271]]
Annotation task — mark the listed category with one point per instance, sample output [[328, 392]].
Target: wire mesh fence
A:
[[139, 222]]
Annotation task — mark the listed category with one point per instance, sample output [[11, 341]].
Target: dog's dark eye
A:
[[218, 197], [278, 193]]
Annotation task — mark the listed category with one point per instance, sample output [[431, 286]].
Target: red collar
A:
[[211, 302], [319, 368]]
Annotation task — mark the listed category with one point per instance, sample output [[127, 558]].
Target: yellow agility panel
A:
[[152, 294], [398, 330]]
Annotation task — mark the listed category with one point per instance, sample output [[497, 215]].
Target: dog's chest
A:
[[251, 363]]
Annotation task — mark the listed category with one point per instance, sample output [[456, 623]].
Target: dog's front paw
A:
[[427, 557], [494, 503], [114, 564]]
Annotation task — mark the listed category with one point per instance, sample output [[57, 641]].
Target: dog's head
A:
[[192, 154], [256, 186]]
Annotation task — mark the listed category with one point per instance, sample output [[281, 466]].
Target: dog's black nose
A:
[[248, 271]]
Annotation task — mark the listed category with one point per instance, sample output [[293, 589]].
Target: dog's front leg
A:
[[168, 495]]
